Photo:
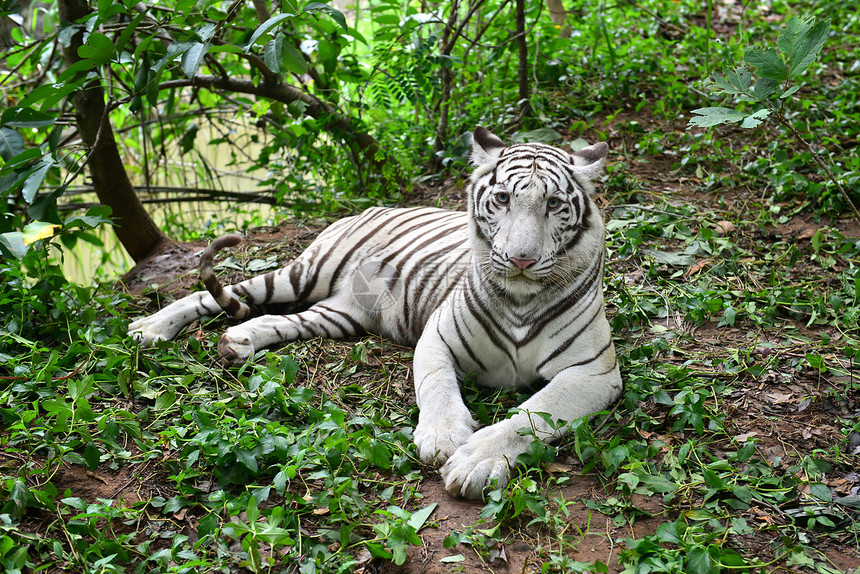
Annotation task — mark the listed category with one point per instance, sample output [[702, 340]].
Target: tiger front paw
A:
[[438, 439], [147, 330], [234, 349], [485, 460]]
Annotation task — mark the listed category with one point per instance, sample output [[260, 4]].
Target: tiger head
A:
[[533, 223]]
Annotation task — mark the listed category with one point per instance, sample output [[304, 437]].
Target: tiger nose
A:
[[522, 263]]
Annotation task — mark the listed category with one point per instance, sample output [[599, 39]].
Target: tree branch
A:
[[185, 194], [339, 124]]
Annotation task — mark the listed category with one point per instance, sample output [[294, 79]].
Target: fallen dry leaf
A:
[[698, 266], [840, 485], [742, 438], [553, 467], [807, 233], [724, 227]]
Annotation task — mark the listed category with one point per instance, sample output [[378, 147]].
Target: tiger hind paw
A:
[[234, 349]]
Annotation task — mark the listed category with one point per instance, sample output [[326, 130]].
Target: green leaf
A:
[[130, 29], [92, 456], [290, 368], [83, 411], [107, 9], [378, 551], [798, 558], [265, 27], [742, 493], [48, 94], [280, 482], [79, 389], [141, 83], [25, 117], [789, 91], [247, 459], [715, 116], [45, 206], [453, 559], [173, 51], [186, 142], [668, 532], [735, 81], [712, 480], [801, 41], [11, 144], [12, 244], [165, 400], [294, 60], [699, 514], [419, 517], [821, 491], [205, 32], [207, 524], [745, 453], [225, 49], [755, 119], [699, 561], [99, 48], [76, 503], [18, 495], [335, 14], [36, 177], [657, 483], [252, 512], [730, 314], [399, 552], [272, 53], [764, 87], [173, 505], [852, 500], [767, 63], [192, 58], [675, 259], [723, 85], [96, 215]]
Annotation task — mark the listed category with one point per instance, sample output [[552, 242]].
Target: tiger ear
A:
[[589, 160], [486, 146]]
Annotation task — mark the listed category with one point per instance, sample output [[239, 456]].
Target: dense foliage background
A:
[[733, 281]]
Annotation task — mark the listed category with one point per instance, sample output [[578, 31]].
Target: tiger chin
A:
[[509, 292]]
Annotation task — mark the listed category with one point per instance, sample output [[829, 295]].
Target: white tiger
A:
[[510, 293]]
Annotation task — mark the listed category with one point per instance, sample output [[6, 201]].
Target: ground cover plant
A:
[[732, 286]]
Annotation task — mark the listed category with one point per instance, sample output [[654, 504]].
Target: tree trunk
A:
[[445, 74], [558, 15], [135, 229]]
